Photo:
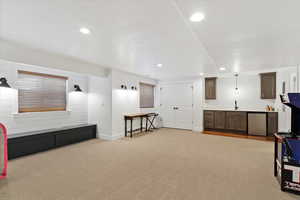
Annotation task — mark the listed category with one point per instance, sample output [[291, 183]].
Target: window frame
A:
[[35, 110], [154, 88]]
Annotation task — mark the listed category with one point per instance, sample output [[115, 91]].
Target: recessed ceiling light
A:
[[222, 68], [197, 17], [159, 65], [85, 31]]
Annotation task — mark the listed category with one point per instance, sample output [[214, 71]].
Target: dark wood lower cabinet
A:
[[45, 140], [272, 124], [220, 120], [236, 121], [209, 117]]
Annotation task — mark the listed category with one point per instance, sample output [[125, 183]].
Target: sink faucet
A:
[[236, 105]]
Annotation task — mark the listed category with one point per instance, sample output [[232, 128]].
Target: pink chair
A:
[[3, 151]]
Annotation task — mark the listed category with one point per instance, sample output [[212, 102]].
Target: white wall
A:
[[100, 104], [198, 105], [126, 101], [285, 75], [249, 94], [20, 53], [24, 122], [105, 103]]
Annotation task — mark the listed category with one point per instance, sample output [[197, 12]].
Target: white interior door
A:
[[184, 117], [177, 105], [168, 116]]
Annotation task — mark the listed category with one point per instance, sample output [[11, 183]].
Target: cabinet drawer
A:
[[28, 145], [74, 135], [209, 118]]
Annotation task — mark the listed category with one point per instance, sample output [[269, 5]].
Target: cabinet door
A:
[[210, 88], [236, 121], [243, 122], [220, 120], [18, 147], [231, 120], [268, 85], [272, 123], [209, 117]]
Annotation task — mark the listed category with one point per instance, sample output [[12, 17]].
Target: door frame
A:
[[164, 84]]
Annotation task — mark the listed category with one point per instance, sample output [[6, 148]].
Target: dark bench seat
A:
[[23, 144]]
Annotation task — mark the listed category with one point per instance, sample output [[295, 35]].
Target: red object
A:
[[3, 172]]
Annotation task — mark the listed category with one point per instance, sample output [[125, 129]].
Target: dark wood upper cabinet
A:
[[211, 88], [268, 85]]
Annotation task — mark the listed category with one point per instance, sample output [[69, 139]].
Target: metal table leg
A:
[[125, 127], [146, 123], [142, 124], [130, 127]]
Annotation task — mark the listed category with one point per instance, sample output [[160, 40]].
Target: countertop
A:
[[240, 110]]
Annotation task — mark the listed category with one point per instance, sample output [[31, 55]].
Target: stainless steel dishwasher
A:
[[257, 124]]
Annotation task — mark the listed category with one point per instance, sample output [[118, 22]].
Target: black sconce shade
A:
[[124, 87], [77, 88], [133, 87], [3, 83]]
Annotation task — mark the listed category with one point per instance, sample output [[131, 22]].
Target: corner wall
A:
[[100, 105], [126, 101]]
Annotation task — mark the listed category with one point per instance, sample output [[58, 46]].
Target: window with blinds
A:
[[41, 92], [146, 95]]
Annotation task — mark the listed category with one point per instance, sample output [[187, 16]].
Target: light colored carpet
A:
[[166, 164]]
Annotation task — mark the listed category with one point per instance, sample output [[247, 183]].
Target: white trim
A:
[[38, 114], [197, 129], [110, 137]]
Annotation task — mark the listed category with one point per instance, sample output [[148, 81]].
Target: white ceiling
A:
[[136, 35]]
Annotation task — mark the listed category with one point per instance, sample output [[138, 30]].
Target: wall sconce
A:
[[133, 88], [3, 83], [77, 88], [124, 87]]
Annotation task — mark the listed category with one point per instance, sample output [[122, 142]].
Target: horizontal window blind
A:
[[146, 95], [41, 92]]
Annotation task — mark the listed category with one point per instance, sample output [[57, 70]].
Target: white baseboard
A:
[[110, 137], [197, 129]]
